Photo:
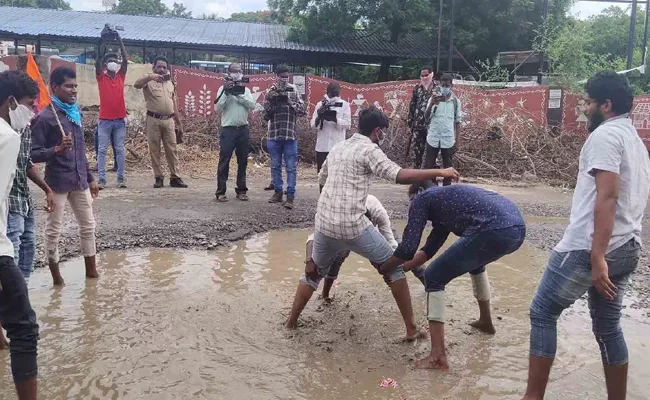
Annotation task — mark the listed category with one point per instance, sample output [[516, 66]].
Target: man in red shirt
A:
[[111, 126]]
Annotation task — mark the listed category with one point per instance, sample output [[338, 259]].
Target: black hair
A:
[[27, 87], [371, 118], [415, 188], [608, 85], [427, 67], [447, 78], [334, 86], [9, 85], [110, 55], [60, 74], [281, 69], [160, 58]]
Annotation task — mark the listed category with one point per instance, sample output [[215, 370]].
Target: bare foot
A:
[[92, 274], [290, 325], [420, 334], [485, 327], [433, 362], [58, 281]]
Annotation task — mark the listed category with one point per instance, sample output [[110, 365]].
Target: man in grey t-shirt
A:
[[600, 248]]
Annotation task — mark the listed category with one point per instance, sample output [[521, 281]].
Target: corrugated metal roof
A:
[[88, 25]]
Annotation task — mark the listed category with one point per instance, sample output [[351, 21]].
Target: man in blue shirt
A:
[[489, 226], [444, 115]]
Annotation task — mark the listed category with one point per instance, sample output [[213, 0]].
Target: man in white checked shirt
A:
[[341, 223]]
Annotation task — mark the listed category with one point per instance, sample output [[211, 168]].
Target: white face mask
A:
[[237, 76], [382, 139], [113, 66], [20, 117]]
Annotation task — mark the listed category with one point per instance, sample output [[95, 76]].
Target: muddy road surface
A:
[[193, 295]]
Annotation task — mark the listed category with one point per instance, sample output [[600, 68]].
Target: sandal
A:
[[222, 198], [242, 196]]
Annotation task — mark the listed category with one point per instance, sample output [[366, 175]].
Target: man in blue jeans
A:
[[601, 245], [282, 107], [111, 126], [16, 313], [489, 226], [21, 220]]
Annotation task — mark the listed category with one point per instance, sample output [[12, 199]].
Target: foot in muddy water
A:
[[433, 361], [58, 281], [485, 327]]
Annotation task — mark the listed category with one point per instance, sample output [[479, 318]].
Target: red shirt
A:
[[111, 96]]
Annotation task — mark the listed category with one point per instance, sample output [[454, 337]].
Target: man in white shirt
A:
[[341, 224], [332, 118], [600, 248], [16, 313], [378, 215]]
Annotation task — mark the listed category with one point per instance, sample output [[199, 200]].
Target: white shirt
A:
[[616, 147], [332, 132], [9, 146], [379, 218], [346, 177]]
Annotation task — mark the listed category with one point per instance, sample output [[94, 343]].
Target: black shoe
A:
[[159, 183], [270, 187], [177, 183], [276, 198], [289, 203]]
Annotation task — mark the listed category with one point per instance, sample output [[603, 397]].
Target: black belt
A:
[[237, 128], [158, 116]]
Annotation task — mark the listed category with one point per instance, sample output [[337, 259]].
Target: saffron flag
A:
[[32, 70]]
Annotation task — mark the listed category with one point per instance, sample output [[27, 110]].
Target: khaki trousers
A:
[[81, 203], [162, 130]]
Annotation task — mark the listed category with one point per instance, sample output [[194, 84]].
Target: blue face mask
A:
[[445, 91]]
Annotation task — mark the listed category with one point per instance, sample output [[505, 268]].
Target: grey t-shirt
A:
[[616, 147]]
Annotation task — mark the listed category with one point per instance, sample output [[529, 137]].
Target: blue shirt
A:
[[442, 128], [460, 209]]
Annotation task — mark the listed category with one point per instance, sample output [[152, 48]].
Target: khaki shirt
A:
[[160, 97]]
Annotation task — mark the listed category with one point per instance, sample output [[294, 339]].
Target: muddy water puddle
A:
[[164, 324]]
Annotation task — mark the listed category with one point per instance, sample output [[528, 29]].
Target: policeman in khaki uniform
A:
[[160, 97]]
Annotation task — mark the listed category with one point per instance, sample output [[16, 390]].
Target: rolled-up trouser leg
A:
[[481, 286], [436, 306]]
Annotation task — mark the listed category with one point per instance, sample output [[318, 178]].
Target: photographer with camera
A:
[[111, 126], [163, 120], [282, 107], [332, 118], [235, 101]]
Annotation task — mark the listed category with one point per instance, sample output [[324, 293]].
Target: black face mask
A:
[[594, 121]]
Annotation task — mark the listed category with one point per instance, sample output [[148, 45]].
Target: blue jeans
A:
[[19, 319], [114, 131], [472, 254], [567, 277], [20, 230], [289, 150], [329, 253]]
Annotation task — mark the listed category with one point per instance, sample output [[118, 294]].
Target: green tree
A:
[[140, 7], [263, 16], [51, 4], [180, 11], [211, 17]]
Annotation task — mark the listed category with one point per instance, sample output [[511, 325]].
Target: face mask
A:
[[20, 117], [112, 66], [382, 139], [445, 91], [236, 76]]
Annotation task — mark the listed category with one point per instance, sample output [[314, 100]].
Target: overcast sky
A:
[[226, 7]]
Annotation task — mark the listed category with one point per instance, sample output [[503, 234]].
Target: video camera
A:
[[326, 112], [109, 33], [239, 88]]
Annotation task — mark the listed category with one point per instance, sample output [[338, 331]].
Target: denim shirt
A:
[[67, 172]]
